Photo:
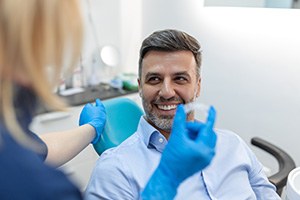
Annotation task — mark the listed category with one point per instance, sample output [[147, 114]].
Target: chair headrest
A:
[[122, 118]]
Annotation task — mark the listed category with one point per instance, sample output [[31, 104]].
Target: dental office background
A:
[[251, 58]]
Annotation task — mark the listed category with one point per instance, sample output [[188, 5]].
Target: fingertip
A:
[[180, 108], [212, 110], [98, 102], [179, 115], [88, 105], [180, 112], [211, 115]]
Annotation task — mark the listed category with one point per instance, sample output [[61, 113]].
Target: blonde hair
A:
[[35, 35]]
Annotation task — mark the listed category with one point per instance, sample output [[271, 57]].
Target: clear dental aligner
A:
[[199, 107]]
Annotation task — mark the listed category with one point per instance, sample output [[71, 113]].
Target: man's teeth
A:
[[167, 107]]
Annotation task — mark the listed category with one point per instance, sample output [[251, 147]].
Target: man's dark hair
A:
[[170, 40]]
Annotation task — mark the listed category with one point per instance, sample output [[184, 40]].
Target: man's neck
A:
[[165, 133]]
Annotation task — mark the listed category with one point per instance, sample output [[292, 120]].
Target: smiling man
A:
[[167, 79], [169, 75]]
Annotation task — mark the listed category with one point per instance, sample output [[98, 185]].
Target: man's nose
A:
[[167, 90]]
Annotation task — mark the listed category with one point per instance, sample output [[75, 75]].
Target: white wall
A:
[[102, 27], [251, 67], [131, 34], [252, 72], [105, 17], [117, 23]]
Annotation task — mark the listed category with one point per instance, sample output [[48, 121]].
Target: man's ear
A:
[[139, 84], [198, 87]]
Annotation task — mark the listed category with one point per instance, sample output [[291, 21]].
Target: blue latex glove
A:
[[190, 149], [95, 116]]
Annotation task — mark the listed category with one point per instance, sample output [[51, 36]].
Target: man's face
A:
[[167, 80]]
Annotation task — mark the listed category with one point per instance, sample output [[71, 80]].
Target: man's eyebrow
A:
[[185, 73], [151, 74]]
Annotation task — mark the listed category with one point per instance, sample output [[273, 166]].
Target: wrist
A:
[[167, 175], [96, 135], [160, 186]]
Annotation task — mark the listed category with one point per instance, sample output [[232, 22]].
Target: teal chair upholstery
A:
[[122, 119]]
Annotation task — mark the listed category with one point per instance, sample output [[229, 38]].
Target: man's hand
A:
[[191, 146], [190, 149], [95, 116]]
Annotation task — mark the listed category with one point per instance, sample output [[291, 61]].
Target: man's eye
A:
[[153, 80], [181, 79]]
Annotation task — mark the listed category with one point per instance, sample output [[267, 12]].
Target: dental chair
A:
[[285, 162], [123, 116]]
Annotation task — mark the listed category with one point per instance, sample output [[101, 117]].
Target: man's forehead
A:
[[153, 72], [173, 70], [169, 63], [172, 58]]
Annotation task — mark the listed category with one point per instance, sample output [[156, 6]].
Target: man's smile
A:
[[167, 107]]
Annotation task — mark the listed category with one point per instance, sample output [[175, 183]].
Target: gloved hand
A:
[[95, 116], [190, 149]]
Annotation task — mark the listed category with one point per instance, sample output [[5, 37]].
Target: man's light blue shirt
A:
[[235, 173]]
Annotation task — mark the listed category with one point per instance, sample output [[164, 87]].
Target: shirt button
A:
[[161, 140]]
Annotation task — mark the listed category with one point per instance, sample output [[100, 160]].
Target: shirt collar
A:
[[151, 136]]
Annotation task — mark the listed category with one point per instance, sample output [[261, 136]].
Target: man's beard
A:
[[162, 122]]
